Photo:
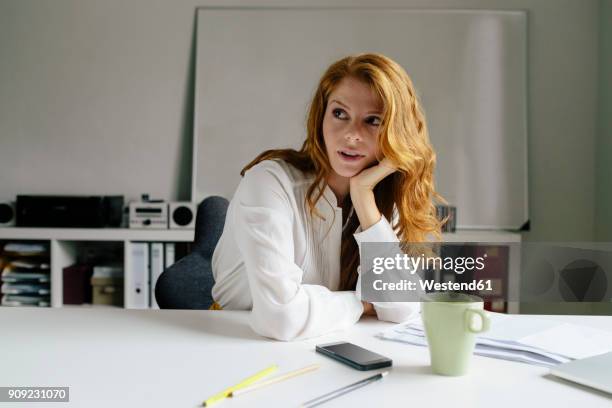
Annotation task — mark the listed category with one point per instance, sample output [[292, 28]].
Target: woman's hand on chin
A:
[[368, 178], [362, 192]]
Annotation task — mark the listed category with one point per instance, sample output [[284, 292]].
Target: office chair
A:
[[188, 283]]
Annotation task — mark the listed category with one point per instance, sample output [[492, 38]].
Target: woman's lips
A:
[[348, 158]]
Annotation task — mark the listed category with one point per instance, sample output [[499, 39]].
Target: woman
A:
[[290, 246]]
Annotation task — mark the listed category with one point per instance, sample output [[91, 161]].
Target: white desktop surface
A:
[[167, 358]]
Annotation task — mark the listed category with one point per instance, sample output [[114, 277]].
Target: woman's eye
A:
[[373, 120], [339, 113]]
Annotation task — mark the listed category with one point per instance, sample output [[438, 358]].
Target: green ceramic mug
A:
[[450, 321]]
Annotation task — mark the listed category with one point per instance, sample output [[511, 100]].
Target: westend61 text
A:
[[430, 285]]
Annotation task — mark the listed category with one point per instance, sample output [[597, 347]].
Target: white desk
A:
[[164, 358]]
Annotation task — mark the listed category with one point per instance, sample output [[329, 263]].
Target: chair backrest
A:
[[210, 220], [188, 283]]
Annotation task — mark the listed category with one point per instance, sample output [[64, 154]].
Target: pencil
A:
[[275, 380], [341, 391], [244, 383]]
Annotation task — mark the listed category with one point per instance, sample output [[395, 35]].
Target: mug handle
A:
[[469, 319]]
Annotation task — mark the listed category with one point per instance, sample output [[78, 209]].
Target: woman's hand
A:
[[362, 194], [368, 309], [368, 178]]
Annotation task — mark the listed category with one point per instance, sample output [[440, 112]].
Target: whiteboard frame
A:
[[525, 102]]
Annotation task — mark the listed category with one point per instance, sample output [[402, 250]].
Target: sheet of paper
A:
[[521, 338]]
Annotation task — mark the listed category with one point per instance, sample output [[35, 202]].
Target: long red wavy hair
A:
[[403, 139]]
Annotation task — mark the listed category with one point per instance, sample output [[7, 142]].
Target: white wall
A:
[[95, 97]]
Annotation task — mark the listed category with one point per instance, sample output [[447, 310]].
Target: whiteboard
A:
[[257, 69]]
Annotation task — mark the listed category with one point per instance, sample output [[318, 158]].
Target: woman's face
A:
[[350, 127]]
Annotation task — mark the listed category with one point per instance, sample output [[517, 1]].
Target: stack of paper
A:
[[521, 338], [26, 280]]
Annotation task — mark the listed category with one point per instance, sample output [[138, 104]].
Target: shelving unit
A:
[[64, 244]]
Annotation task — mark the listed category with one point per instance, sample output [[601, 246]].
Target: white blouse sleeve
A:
[[396, 312], [283, 307]]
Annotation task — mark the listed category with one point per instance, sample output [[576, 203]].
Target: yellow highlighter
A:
[[225, 393]]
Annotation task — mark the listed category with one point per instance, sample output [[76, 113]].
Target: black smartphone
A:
[[353, 355]]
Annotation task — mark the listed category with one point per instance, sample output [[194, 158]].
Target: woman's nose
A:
[[353, 134]]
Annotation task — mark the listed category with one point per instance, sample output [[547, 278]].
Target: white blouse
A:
[[283, 264]]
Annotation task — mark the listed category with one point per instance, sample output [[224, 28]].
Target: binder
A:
[[76, 284], [157, 267], [138, 278], [170, 254]]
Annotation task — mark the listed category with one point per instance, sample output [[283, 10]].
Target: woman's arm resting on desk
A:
[[283, 308]]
